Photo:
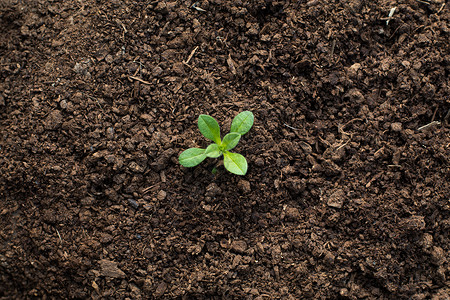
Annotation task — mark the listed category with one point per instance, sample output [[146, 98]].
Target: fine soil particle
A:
[[348, 187]]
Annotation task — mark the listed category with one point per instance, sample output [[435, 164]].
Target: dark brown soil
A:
[[348, 190]]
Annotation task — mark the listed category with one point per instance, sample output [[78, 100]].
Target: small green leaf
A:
[[209, 128], [235, 163], [242, 122], [192, 157], [230, 141], [213, 151]]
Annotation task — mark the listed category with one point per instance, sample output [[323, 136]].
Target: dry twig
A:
[[431, 124], [190, 56], [140, 80]]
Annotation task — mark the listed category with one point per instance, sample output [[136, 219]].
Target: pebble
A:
[[336, 199], [239, 246], [397, 127], [207, 207], [63, 104], [82, 67], [161, 195], [133, 203]]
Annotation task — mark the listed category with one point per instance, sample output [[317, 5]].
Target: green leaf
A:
[[209, 128], [230, 141], [192, 157], [235, 163], [213, 151], [242, 122]]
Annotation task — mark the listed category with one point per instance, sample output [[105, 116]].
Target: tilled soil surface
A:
[[347, 194]]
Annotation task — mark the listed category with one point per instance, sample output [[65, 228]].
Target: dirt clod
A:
[[110, 269], [336, 199], [414, 223], [244, 186], [292, 213], [54, 120], [160, 289], [438, 256], [213, 190]]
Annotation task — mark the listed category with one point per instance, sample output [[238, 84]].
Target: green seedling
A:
[[208, 126]]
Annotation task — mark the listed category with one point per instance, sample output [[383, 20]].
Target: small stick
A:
[[145, 191], [123, 26], [58, 235], [191, 55], [378, 151], [434, 114], [423, 2], [140, 80], [429, 125], [391, 13], [196, 7], [163, 29], [341, 128], [339, 148], [293, 128]]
